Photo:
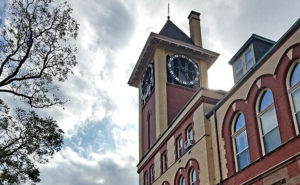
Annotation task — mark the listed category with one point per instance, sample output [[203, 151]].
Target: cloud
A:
[[104, 29], [112, 22], [3, 6], [69, 168]]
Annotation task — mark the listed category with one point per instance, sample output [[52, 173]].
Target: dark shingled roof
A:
[[264, 45], [172, 31]]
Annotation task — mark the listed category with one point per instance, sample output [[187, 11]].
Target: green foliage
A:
[[26, 139]]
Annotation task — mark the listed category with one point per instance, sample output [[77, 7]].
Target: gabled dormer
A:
[[249, 54]]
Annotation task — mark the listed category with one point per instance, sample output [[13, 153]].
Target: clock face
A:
[[183, 70], [148, 82]]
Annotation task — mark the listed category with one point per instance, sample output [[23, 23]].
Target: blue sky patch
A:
[[92, 137]]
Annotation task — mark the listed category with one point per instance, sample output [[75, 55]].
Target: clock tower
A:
[[171, 68]]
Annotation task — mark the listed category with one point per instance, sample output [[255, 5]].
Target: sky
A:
[[101, 119]]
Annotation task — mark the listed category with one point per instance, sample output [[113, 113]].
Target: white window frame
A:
[[190, 128], [234, 135], [152, 174], [164, 162], [242, 58], [242, 69], [181, 179], [252, 54], [146, 178], [260, 114], [191, 177], [290, 91], [178, 146]]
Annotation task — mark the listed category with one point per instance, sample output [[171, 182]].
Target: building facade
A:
[[191, 135]]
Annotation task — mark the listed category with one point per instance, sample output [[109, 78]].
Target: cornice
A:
[[154, 41]]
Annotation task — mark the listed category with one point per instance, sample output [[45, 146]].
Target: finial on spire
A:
[[168, 11]]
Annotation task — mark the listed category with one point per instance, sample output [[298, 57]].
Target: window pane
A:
[[239, 66], [243, 159], [298, 119], [241, 142], [240, 122], [193, 177], [248, 55], [272, 140], [239, 75], [180, 149], [295, 77], [164, 162], [190, 133], [182, 181], [268, 121], [239, 70], [249, 64], [267, 99], [296, 100], [249, 59], [151, 174], [146, 179]]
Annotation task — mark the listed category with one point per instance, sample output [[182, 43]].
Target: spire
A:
[[172, 31], [168, 11]]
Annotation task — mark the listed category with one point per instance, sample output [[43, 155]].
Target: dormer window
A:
[[239, 70], [244, 64], [249, 54], [249, 60]]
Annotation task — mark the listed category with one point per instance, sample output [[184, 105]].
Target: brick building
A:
[[191, 135]]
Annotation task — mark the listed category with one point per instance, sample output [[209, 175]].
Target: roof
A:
[[247, 43], [172, 38], [172, 31], [156, 40], [294, 27]]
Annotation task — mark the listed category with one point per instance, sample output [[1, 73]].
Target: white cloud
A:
[[68, 168]]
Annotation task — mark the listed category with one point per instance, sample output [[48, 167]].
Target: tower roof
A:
[[172, 38], [157, 40], [172, 31]]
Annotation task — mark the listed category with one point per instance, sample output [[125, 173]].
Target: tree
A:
[[26, 139], [36, 52]]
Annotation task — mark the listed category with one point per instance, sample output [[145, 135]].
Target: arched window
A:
[[268, 122], [242, 155], [151, 174], [149, 125], [193, 179], [189, 133], [164, 162], [295, 92], [181, 181], [179, 147]]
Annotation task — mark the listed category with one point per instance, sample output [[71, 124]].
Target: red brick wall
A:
[[290, 145], [180, 128], [191, 164], [148, 127], [177, 97], [279, 155]]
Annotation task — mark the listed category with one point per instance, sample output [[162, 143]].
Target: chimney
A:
[[195, 30]]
